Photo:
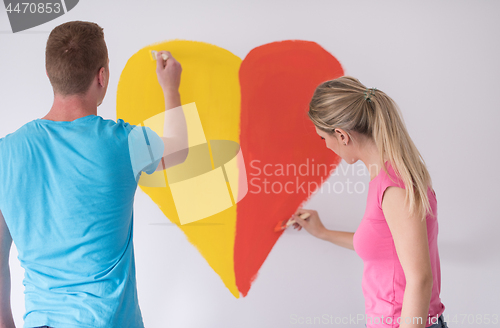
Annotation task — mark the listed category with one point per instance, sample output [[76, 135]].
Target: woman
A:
[[397, 237]]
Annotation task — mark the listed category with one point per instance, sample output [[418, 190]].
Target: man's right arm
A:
[[6, 319], [175, 129]]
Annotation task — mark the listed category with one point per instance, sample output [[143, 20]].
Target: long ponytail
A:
[[341, 103]]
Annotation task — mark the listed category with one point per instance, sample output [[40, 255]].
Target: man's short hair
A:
[[75, 53]]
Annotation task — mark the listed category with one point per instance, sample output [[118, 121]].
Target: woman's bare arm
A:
[[340, 238], [410, 238], [315, 227]]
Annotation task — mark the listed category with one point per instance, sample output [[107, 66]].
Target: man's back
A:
[[67, 197]]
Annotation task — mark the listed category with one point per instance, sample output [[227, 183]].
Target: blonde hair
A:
[[341, 103]]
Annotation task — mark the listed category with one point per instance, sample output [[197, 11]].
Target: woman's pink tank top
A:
[[384, 281]]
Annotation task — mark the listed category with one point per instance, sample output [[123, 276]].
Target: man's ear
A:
[[101, 76]]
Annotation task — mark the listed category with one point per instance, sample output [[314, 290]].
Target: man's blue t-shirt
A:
[[66, 193]]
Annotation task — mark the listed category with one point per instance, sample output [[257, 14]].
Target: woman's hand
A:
[[312, 224]]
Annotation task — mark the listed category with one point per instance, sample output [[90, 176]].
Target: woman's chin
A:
[[350, 161]]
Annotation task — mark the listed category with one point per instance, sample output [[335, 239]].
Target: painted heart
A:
[[260, 103]]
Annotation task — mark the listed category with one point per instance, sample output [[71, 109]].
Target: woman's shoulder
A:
[[391, 177]]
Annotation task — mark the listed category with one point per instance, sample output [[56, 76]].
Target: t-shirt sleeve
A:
[[386, 182], [145, 148]]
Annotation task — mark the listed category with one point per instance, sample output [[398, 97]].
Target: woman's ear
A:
[[342, 136]]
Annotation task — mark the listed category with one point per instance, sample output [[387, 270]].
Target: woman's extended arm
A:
[[315, 227], [410, 239]]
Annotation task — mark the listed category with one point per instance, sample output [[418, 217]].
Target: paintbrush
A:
[[282, 225], [154, 54]]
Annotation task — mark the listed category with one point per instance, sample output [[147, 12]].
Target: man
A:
[[67, 185]]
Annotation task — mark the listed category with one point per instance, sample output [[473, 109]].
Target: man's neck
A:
[[71, 108]]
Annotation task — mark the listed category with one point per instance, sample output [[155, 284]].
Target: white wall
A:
[[438, 59]]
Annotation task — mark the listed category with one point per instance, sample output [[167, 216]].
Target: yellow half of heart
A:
[[210, 80]]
